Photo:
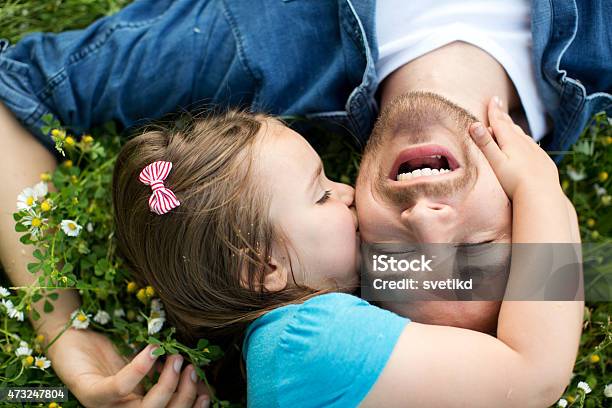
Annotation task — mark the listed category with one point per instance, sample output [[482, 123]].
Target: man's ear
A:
[[275, 275]]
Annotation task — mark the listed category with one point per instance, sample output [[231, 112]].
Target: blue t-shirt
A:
[[325, 352]]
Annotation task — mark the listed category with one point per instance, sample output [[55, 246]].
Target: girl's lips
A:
[[422, 151]]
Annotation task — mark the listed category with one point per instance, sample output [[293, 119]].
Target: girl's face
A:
[[315, 214]]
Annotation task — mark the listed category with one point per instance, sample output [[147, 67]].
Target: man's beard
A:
[[414, 114]]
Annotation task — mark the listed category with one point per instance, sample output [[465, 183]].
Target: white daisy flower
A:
[[608, 391], [41, 363], [8, 304], [23, 349], [575, 175], [4, 292], [599, 190], [80, 320], [155, 324], [119, 313], [101, 317], [40, 189], [70, 228], [584, 387], [157, 308], [562, 403], [16, 314], [26, 199], [35, 223]]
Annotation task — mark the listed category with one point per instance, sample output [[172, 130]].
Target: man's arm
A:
[[24, 159], [86, 362]]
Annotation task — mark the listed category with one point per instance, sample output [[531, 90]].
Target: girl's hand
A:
[[98, 376], [516, 159]]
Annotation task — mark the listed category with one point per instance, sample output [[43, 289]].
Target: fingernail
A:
[[177, 364], [498, 101], [479, 130], [151, 353], [194, 377], [205, 402]]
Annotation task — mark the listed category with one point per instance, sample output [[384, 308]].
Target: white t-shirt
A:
[[407, 30]]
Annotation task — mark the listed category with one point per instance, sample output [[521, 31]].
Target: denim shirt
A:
[[312, 59]]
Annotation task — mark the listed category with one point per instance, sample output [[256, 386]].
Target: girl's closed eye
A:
[[325, 197]]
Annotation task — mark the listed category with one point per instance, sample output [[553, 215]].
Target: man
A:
[[292, 58]]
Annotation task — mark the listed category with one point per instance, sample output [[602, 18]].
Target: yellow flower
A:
[[594, 358], [608, 140], [150, 292], [28, 361], [603, 176], [30, 201], [53, 405], [570, 399], [81, 317], [565, 184], [40, 338], [206, 350], [131, 315], [36, 222], [58, 134], [142, 296], [131, 287], [69, 141], [606, 200], [595, 234], [590, 223], [46, 205], [45, 177], [87, 139], [68, 164], [64, 279], [74, 179]]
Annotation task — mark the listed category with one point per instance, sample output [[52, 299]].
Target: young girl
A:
[[234, 223]]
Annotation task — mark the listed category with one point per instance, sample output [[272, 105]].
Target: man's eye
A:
[[325, 197]]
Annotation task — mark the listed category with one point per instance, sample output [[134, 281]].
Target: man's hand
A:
[[99, 377]]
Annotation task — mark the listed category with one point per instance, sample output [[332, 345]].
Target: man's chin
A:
[[474, 315]]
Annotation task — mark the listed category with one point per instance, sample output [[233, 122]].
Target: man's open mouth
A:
[[423, 161]]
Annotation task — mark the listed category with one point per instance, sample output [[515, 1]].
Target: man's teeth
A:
[[421, 172]]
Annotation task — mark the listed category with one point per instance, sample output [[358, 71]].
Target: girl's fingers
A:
[[128, 378], [187, 389], [501, 123], [160, 393], [486, 144], [202, 402]]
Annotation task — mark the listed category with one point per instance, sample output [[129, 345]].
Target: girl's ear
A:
[[275, 279], [276, 276]]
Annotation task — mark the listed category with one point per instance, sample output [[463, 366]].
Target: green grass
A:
[[590, 159]]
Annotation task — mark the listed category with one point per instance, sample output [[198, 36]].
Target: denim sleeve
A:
[[333, 351], [149, 59]]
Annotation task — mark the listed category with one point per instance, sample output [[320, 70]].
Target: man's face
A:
[[463, 203], [460, 199]]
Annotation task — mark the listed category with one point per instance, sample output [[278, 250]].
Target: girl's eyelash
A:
[[325, 197]]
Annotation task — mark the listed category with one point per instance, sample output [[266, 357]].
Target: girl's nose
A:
[[346, 194]]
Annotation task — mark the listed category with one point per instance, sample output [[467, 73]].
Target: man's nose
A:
[[431, 222]]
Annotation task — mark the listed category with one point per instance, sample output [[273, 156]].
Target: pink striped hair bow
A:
[[163, 199]]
